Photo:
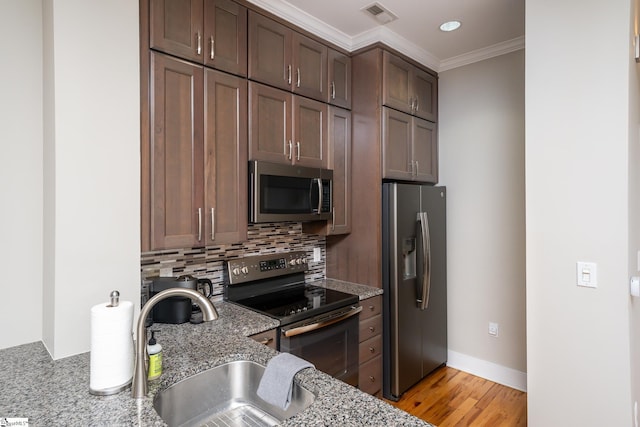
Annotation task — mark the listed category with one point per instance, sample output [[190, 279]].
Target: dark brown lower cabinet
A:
[[370, 373], [198, 155]]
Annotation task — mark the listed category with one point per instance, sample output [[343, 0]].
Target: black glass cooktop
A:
[[292, 305]]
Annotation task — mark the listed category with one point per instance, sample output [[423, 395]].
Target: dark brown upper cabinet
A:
[[209, 32], [281, 57], [339, 79], [286, 128], [198, 155], [409, 147], [340, 163], [408, 88]]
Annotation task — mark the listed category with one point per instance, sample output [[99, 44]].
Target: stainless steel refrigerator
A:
[[414, 274]]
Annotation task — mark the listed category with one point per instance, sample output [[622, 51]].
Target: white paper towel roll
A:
[[111, 361]]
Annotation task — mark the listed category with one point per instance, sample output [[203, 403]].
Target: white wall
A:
[[57, 265], [634, 206], [21, 171], [92, 165], [482, 163], [577, 193]]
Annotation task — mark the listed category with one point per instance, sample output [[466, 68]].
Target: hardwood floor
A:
[[449, 397]]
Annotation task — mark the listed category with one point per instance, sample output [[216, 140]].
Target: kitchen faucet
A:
[[139, 387]]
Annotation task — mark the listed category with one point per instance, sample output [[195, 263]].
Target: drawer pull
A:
[[266, 340], [372, 378], [372, 329], [372, 350], [372, 307]]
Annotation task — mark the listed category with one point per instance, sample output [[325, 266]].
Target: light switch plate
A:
[[317, 254], [587, 274]]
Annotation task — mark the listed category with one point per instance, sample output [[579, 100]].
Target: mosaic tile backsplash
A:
[[208, 262]]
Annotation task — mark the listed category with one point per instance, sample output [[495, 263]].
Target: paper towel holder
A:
[[115, 302]]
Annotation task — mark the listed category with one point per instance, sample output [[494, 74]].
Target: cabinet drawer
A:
[[370, 327], [267, 338], [371, 307], [370, 376], [370, 348]]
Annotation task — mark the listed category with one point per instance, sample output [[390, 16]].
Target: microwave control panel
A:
[[250, 268]]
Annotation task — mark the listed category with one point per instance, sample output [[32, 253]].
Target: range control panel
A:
[[250, 268]]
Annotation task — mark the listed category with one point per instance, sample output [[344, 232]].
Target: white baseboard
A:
[[488, 370]]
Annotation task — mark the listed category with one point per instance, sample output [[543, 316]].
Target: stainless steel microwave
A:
[[289, 193]]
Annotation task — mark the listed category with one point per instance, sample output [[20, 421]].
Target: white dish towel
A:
[[276, 385]]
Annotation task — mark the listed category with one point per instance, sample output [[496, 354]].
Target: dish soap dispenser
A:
[[155, 357]]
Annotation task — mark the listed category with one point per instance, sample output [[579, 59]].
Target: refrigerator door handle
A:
[[423, 299]]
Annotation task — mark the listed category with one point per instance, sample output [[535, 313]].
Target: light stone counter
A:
[[57, 392]]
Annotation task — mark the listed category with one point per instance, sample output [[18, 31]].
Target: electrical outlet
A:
[[317, 254], [493, 329], [166, 272]]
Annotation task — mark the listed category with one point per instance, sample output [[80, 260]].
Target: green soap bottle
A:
[[155, 357]]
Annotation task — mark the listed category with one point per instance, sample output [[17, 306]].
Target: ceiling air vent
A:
[[379, 13]]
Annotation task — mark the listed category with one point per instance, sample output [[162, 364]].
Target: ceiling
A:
[[489, 27]]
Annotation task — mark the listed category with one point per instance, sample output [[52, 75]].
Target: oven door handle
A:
[[319, 325]]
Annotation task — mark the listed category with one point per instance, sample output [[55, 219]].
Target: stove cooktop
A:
[[298, 304]]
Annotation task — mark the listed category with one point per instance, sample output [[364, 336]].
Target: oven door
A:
[[329, 341]]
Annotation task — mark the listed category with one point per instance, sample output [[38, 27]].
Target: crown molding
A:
[[382, 34], [306, 21], [482, 54]]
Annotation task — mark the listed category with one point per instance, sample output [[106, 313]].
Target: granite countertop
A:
[[49, 392], [363, 291]]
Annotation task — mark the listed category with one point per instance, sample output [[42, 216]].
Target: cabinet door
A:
[[269, 52], [270, 124], [339, 146], [176, 27], [396, 145], [309, 67], [225, 164], [176, 149], [340, 163], [339, 79], [310, 132], [225, 36], [397, 82], [425, 89], [425, 151]]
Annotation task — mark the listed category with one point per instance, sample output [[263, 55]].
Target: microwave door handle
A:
[[423, 221], [319, 195]]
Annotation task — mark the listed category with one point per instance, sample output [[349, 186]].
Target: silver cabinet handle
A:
[[199, 224], [423, 298], [198, 43], [266, 341], [333, 90], [319, 325], [417, 104], [290, 149], [411, 103], [298, 148], [213, 223], [298, 77], [333, 219], [417, 167], [289, 74], [212, 53]]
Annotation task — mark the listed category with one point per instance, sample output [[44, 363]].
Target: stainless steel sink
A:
[[225, 396]]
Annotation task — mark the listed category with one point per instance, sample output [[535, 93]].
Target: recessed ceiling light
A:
[[450, 26]]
